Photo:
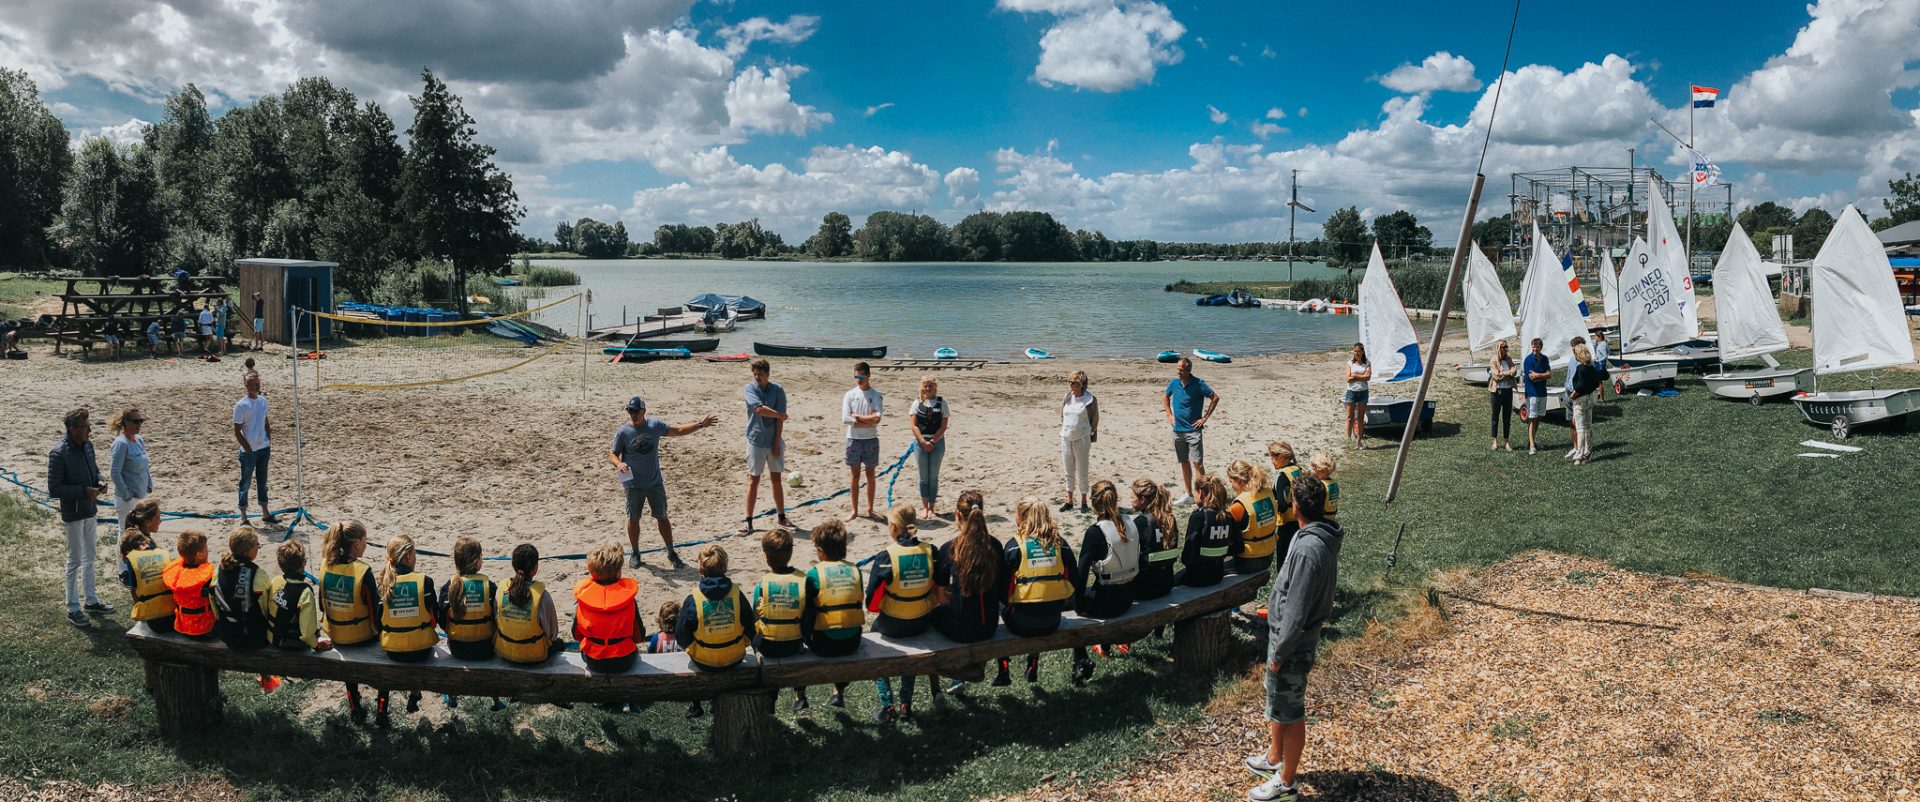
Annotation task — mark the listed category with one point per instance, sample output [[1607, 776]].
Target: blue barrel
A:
[[440, 317], [415, 316]]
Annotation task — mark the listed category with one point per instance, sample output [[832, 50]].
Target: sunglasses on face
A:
[[860, 377]]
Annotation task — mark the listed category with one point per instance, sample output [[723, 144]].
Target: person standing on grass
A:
[[1600, 362], [1573, 365], [1079, 428], [255, 432], [259, 322], [1300, 603], [127, 463], [1500, 389], [1181, 401], [766, 444], [1537, 370], [635, 457], [206, 328], [930, 414], [1586, 384], [73, 477], [1359, 372], [860, 410]]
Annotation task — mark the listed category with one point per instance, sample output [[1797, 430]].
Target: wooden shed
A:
[[284, 284]]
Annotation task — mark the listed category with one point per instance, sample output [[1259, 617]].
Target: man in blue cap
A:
[[636, 459]]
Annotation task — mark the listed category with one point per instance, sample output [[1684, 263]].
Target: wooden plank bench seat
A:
[[183, 673]]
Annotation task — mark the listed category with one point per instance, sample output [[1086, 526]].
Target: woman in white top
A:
[[1359, 372], [127, 463], [930, 414], [1079, 428]]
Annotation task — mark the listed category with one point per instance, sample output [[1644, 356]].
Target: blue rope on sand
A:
[[44, 499]]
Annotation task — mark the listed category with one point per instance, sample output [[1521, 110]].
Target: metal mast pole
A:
[[1293, 205]]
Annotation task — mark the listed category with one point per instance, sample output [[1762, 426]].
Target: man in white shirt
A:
[[254, 431], [206, 328], [860, 411]]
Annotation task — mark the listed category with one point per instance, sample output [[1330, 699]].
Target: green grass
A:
[[1260, 289], [542, 276], [72, 707], [17, 293]]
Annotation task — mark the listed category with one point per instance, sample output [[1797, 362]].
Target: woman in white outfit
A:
[[127, 464], [1079, 429]]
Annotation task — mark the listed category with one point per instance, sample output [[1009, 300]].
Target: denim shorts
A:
[[1353, 396], [863, 453]]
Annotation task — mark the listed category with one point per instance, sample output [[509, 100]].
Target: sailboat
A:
[[1858, 324], [1672, 333], [1489, 316], [1609, 287], [1749, 324], [1549, 312], [1391, 347], [1650, 316]]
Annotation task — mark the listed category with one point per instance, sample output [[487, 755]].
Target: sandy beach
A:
[[521, 457]]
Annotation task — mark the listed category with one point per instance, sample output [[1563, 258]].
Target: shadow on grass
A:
[[1377, 785]]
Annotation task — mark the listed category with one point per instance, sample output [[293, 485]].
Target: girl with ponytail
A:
[[408, 611], [967, 569], [348, 607], [1109, 563], [1160, 540], [467, 610]]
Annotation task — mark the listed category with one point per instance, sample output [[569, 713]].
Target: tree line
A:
[[311, 173]]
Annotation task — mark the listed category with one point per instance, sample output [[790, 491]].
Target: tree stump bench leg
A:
[[186, 699], [743, 724], [1200, 645]]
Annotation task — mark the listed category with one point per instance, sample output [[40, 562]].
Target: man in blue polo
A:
[[1183, 399]]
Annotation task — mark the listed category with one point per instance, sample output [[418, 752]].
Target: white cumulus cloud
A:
[[1440, 72], [1216, 115], [762, 100], [719, 188], [740, 35], [1543, 105], [1103, 46], [1276, 113], [963, 185]]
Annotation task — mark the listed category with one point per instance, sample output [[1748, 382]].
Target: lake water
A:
[[991, 311]]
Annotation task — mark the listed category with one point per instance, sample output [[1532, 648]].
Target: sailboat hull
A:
[[1393, 411], [1474, 374], [1686, 357], [1629, 376], [1759, 384], [1845, 410]]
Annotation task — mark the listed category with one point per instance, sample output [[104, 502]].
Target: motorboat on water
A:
[[741, 306]]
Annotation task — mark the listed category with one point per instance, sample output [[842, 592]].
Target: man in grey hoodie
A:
[[1300, 604]]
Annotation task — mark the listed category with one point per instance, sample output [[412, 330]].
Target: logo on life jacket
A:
[[837, 605]]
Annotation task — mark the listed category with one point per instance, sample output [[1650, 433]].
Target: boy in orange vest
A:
[[606, 616], [190, 579]]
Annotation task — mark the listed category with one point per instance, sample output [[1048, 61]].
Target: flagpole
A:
[[1690, 179]]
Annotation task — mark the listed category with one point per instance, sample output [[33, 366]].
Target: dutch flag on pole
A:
[[1704, 96]]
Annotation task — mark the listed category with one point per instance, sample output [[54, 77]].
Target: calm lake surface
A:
[[990, 311]]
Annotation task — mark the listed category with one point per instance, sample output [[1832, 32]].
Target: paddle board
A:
[[1211, 356], [946, 353], [1168, 356], [1035, 353], [729, 358]]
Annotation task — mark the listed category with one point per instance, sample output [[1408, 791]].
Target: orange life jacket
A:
[[193, 614], [604, 617]]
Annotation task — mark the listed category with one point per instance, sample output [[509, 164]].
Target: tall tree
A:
[[1767, 216], [563, 235], [1810, 231], [250, 160], [1400, 234], [1903, 201], [34, 161], [461, 207], [356, 224], [110, 222], [1346, 235], [835, 237]]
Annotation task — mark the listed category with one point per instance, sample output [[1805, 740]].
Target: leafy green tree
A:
[[897, 237], [1766, 216], [1346, 235], [1030, 236], [460, 206], [110, 221], [620, 240], [357, 223], [290, 232], [1494, 231], [976, 238], [1400, 233], [835, 237], [563, 235], [1903, 202], [250, 160], [34, 161], [1810, 231]]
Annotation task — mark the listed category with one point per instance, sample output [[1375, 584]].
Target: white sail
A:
[[1663, 243], [1744, 310], [1384, 327], [1858, 322], [1489, 315], [1651, 313], [1609, 286], [1548, 310]]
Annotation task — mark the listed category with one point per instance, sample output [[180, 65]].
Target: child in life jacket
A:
[[526, 625], [780, 605], [834, 612], [1253, 518], [190, 579], [143, 565], [408, 611], [662, 642], [349, 607], [1203, 558], [606, 613], [1109, 566], [716, 617], [1038, 565], [1280, 454], [972, 592], [900, 589], [1159, 536], [467, 612], [1321, 465], [292, 607], [238, 587]]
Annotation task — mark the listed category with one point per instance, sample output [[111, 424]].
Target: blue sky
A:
[[1173, 120]]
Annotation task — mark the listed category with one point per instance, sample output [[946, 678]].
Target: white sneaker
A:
[[1273, 791], [1571, 453], [1183, 499], [1257, 762], [1532, 450]]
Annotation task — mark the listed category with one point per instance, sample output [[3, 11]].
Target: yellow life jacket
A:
[[1333, 500], [283, 619], [836, 604], [719, 639], [909, 595], [406, 623], [477, 625], [518, 636], [1263, 522], [779, 603], [151, 598], [1042, 575], [343, 603], [1287, 475]]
